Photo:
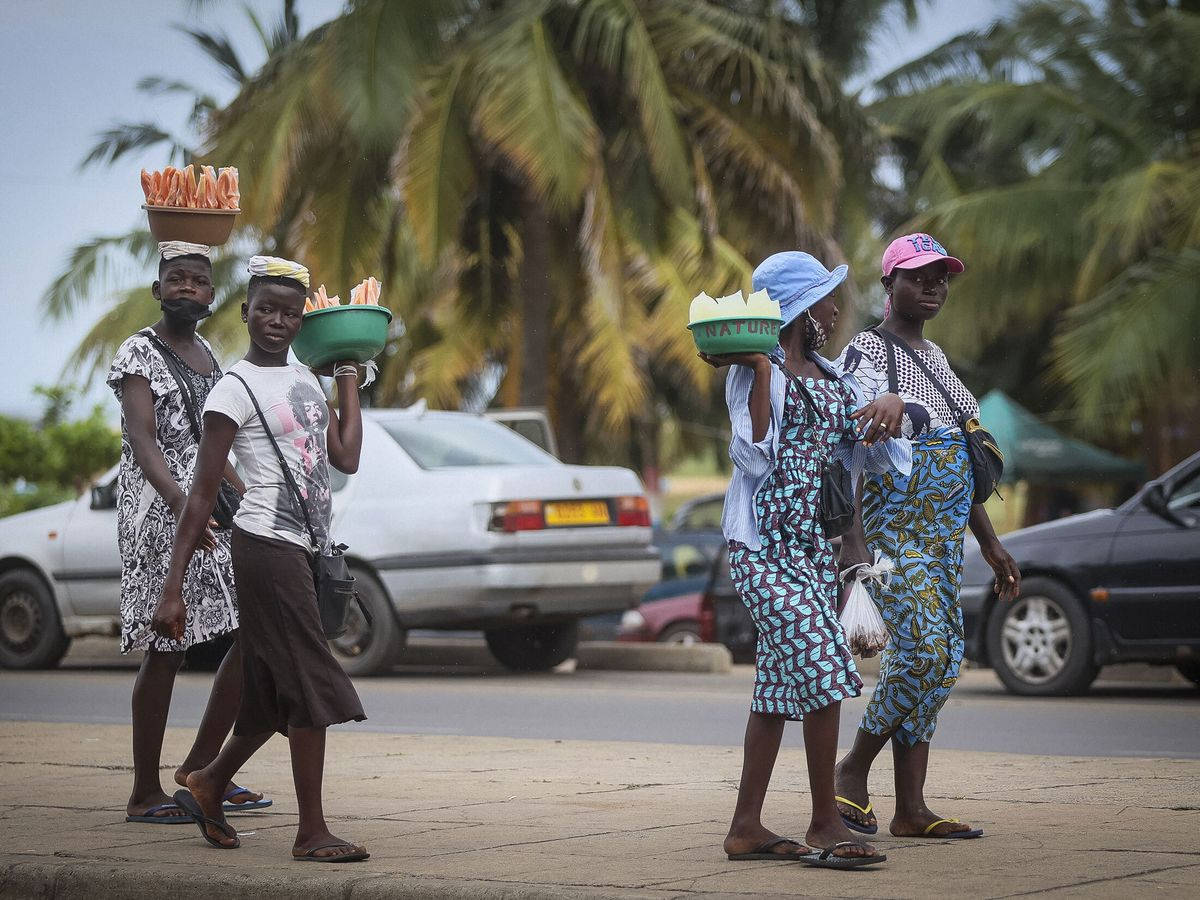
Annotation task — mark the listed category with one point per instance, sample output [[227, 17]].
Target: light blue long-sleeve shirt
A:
[[754, 461]]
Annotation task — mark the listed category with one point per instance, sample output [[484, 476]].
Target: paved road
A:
[[1114, 720]]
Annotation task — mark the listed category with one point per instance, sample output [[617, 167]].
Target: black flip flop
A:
[[308, 855], [763, 852], [185, 801], [826, 859], [149, 816], [953, 835], [853, 825]]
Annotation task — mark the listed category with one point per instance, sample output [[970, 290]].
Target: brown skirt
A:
[[289, 676]]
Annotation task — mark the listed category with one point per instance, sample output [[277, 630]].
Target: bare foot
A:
[[853, 787], [208, 795], [914, 825], [237, 799], [140, 806], [751, 839], [828, 836], [329, 847]]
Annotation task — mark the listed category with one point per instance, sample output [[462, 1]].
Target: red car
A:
[[685, 618]]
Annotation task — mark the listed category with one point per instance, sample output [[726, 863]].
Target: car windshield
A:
[[436, 442]]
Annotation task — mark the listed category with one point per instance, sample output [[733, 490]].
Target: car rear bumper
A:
[[487, 589]]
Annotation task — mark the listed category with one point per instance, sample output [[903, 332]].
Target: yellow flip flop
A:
[[955, 835], [857, 826]]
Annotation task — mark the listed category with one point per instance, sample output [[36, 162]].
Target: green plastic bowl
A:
[[742, 335], [358, 332]]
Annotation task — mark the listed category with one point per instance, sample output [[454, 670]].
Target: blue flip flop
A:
[[851, 823], [148, 816], [241, 807], [953, 835]]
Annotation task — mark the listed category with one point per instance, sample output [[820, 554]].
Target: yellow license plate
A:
[[590, 512]]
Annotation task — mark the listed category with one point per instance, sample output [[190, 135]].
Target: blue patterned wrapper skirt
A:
[[803, 662], [919, 521]]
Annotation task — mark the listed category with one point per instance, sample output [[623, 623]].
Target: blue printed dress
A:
[[790, 585]]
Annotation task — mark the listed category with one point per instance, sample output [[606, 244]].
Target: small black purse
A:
[[331, 576], [837, 487], [228, 498], [987, 460]]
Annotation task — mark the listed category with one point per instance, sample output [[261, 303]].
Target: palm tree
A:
[[546, 183], [1057, 149]]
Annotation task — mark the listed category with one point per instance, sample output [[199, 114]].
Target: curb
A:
[[87, 880], [595, 655]]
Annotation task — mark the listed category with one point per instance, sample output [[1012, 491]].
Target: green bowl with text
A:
[[356, 331], [747, 334]]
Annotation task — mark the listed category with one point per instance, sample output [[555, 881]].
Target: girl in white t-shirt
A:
[[291, 682]]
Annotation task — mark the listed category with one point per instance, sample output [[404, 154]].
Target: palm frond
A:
[[613, 35], [1134, 336], [130, 137], [217, 47], [435, 166], [526, 110], [94, 266]]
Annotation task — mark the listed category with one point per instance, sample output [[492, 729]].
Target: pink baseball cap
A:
[[915, 250]]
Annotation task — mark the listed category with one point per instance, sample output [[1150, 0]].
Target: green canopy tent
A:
[[1033, 451]]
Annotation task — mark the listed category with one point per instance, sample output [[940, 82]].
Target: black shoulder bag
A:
[[987, 461], [331, 576], [837, 487], [228, 498]]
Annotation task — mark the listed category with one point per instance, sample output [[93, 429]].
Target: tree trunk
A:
[[536, 302]]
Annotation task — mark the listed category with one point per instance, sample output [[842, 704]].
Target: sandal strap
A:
[[828, 851], [933, 825], [866, 811]]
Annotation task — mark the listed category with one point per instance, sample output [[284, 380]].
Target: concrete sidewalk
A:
[[484, 817]]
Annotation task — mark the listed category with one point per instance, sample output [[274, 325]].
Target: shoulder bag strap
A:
[[792, 377], [185, 389], [892, 341], [890, 352], [287, 472]]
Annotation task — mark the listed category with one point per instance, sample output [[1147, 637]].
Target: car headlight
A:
[[632, 621]]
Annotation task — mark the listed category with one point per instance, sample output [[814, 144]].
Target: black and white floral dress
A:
[[145, 526]]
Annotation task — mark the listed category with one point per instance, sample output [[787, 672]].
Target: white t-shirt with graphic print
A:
[[298, 415], [925, 409]]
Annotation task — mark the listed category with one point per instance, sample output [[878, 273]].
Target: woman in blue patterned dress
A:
[[919, 521], [792, 412]]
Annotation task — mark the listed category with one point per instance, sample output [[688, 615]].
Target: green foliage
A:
[[56, 459], [1056, 152]]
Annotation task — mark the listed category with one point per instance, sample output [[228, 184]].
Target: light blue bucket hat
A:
[[796, 280]]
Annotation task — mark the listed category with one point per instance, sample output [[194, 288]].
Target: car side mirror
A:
[[104, 496], [1155, 500]]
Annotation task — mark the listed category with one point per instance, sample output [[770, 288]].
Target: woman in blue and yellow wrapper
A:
[[919, 521]]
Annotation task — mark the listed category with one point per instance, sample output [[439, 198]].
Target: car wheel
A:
[[1190, 671], [31, 635], [1041, 643], [686, 633], [369, 648], [533, 648]]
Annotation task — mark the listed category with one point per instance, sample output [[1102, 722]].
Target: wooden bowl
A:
[[196, 226]]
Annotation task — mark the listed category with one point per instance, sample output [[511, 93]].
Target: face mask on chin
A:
[[187, 310]]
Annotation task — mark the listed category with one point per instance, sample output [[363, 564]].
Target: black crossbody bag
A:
[[331, 576], [987, 461], [837, 487], [228, 498]]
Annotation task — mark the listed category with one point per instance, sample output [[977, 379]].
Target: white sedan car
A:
[[453, 521]]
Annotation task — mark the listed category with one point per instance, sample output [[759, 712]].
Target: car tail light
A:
[[633, 511], [708, 619], [517, 515]]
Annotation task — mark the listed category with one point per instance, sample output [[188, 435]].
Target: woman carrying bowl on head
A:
[[291, 682], [792, 412], [917, 519]]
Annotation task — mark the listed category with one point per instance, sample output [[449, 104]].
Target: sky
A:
[[69, 69]]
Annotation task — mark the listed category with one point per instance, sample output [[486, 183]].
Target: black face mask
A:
[[187, 310]]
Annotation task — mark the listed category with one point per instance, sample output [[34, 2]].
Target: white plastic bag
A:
[[865, 630]]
